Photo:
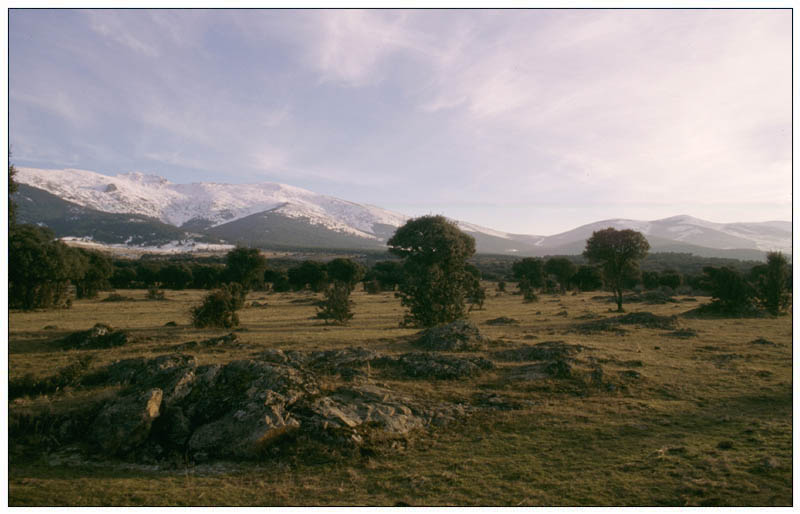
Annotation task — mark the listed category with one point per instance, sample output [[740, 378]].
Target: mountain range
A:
[[147, 210]]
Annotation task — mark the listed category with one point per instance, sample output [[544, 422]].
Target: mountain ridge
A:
[[273, 214]]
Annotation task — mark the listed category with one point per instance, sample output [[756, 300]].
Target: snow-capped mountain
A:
[[280, 215], [210, 203]]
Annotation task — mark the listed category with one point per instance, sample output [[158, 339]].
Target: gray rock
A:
[[346, 357], [246, 431], [458, 336], [125, 422], [546, 350], [442, 367], [99, 336]]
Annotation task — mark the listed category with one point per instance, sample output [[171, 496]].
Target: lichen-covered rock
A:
[[544, 351], [345, 357], [442, 367], [97, 337], [245, 431], [366, 406], [125, 422], [228, 340], [458, 336]]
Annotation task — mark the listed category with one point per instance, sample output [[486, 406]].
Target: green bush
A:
[[218, 309]]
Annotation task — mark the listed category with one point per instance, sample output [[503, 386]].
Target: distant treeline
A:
[[44, 272]]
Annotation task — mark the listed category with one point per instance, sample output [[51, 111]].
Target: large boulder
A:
[[351, 410], [125, 422], [458, 336]]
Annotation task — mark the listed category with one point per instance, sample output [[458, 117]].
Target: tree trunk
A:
[[618, 294]]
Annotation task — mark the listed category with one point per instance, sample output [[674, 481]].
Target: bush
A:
[[731, 294], [335, 308], [154, 293], [218, 309]]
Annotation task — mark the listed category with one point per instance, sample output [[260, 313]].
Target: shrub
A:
[[731, 294], [335, 308], [154, 293], [217, 310]]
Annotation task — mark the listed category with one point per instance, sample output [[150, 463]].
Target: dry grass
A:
[[708, 421]]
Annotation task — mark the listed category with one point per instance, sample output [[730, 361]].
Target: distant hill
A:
[[142, 210]]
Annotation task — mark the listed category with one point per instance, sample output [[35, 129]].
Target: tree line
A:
[[430, 274]]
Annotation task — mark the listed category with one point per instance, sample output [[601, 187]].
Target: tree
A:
[[476, 294], [588, 278], [12, 188], [435, 278], [562, 269], [650, 279], [771, 283], [730, 293], [529, 273], [245, 266], [311, 274], [619, 251], [98, 271], [40, 268], [670, 278], [175, 275], [345, 270], [389, 274], [345, 274]]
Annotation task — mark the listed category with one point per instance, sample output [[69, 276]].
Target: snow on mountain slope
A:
[[215, 205], [766, 236], [218, 203]]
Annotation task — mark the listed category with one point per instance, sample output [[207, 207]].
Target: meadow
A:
[[699, 414]]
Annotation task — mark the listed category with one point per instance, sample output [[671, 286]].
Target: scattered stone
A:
[[725, 445], [502, 320], [563, 313], [99, 336], [547, 350], [630, 374], [50, 327], [170, 324], [762, 341], [458, 336], [258, 304]]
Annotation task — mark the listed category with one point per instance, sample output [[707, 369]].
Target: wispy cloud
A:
[[522, 107]]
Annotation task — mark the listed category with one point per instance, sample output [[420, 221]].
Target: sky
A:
[[527, 121]]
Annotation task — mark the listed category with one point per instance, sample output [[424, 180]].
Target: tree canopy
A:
[[619, 251], [435, 278]]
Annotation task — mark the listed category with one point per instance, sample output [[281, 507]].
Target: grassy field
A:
[[704, 420]]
